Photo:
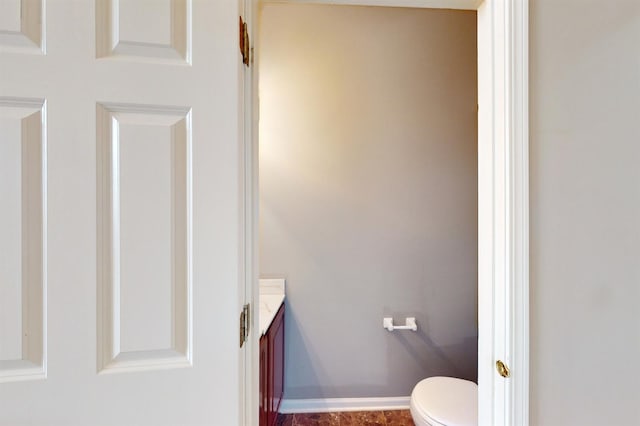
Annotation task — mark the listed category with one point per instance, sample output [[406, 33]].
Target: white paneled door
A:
[[120, 212]]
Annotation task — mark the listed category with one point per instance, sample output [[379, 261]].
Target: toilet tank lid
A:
[[447, 400]]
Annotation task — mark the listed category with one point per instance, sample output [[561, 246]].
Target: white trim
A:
[[503, 203], [431, 4], [520, 233], [330, 405], [503, 212]]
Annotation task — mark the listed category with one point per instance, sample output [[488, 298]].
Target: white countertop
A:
[[271, 298]]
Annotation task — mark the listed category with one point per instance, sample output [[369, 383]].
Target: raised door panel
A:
[[144, 219], [22, 26], [164, 37], [22, 239]]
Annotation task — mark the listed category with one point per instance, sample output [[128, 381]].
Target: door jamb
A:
[[503, 202]]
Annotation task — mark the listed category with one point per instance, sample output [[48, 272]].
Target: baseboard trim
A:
[[328, 405]]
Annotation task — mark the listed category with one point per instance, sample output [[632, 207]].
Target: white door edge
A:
[[503, 203], [250, 393]]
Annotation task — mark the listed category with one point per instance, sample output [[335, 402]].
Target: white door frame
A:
[[503, 203]]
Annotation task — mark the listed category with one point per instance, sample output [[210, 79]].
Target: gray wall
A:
[[368, 171], [585, 212]]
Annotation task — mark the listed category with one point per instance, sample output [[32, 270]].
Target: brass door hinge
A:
[[245, 323], [245, 48]]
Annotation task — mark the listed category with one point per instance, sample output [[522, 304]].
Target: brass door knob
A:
[[503, 370]]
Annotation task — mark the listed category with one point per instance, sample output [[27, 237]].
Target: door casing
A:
[[503, 202]]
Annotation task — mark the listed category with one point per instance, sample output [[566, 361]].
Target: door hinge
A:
[[244, 42], [245, 323]]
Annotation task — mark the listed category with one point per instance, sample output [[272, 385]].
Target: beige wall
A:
[[368, 181], [585, 212]]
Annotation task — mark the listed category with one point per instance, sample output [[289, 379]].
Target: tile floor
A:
[[356, 418]]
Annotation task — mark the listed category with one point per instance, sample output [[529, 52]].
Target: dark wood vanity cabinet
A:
[[272, 370]]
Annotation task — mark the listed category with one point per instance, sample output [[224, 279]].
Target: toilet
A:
[[445, 401]]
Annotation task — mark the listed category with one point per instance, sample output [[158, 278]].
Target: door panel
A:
[[144, 240], [22, 26], [22, 232], [120, 144], [164, 37]]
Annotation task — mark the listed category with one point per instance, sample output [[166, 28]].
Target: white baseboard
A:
[[327, 405]]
